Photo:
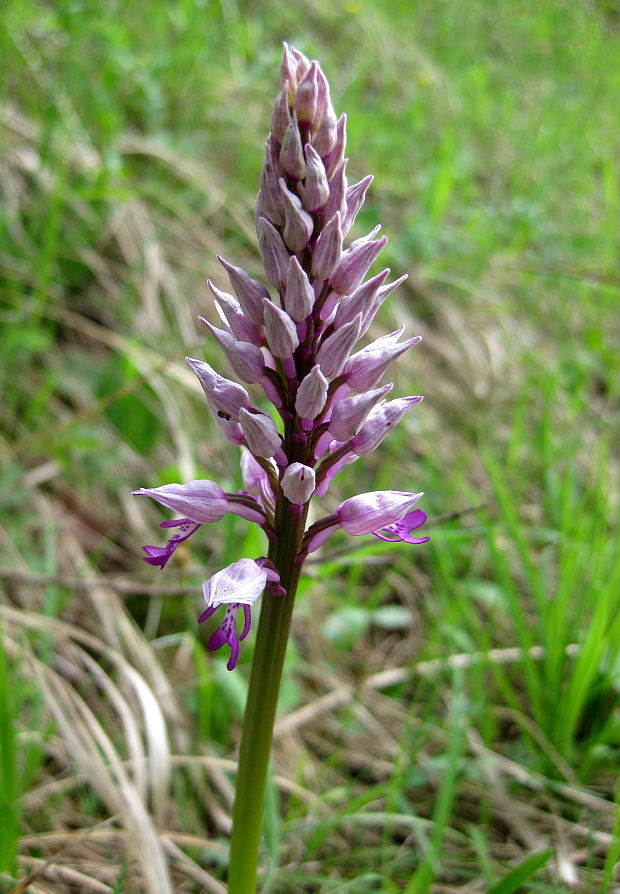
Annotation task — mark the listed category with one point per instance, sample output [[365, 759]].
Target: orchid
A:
[[293, 337]]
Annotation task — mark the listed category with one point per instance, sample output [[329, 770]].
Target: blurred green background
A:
[[450, 715]]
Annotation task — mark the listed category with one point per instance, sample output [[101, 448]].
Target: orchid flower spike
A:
[[295, 336]]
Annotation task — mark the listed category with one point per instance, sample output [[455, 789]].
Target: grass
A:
[[450, 716]]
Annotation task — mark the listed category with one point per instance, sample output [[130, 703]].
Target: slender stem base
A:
[[260, 712]]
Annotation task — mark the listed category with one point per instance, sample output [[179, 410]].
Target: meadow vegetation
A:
[[450, 715]]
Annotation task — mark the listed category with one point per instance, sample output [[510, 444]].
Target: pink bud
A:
[[231, 314], [311, 394], [315, 190], [354, 264], [288, 68], [269, 201], [381, 420], [349, 413], [325, 137], [372, 511], [337, 191], [298, 483], [360, 301], [226, 397], [280, 330], [250, 292], [292, 153], [382, 294], [322, 96], [303, 63], [281, 117], [354, 199], [299, 296], [306, 97], [260, 433], [328, 249], [274, 253], [245, 358], [201, 501], [334, 158], [298, 224], [335, 349], [364, 368]]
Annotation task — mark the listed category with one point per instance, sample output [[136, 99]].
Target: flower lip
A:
[[400, 532]]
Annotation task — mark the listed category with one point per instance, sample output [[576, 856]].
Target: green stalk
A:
[[262, 701]]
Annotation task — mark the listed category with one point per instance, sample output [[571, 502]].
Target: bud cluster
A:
[[296, 340]]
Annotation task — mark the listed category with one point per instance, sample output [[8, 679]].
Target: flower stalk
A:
[[294, 340]]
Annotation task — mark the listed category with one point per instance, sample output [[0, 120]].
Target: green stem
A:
[[262, 700]]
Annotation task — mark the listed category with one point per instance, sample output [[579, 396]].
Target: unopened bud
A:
[[349, 413], [336, 156], [269, 201], [324, 139], [231, 313], [226, 397], [311, 394], [274, 253], [292, 153], [250, 292], [281, 117], [298, 483], [328, 249], [303, 63], [382, 294], [306, 97], [364, 369], [280, 330], [299, 296], [315, 191], [337, 191], [245, 358], [360, 301], [354, 199], [381, 420], [298, 224], [354, 265], [335, 349], [260, 432]]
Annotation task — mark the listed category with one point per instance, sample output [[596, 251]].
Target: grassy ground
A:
[[450, 716]]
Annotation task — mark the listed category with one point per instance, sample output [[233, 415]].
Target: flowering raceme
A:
[[295, 338]]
